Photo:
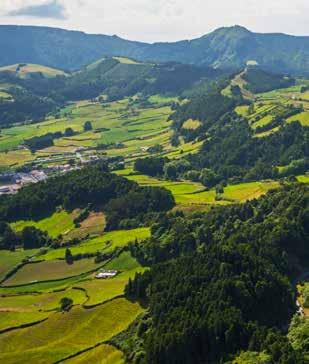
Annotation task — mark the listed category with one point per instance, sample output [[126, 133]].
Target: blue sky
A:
[[159, 20]]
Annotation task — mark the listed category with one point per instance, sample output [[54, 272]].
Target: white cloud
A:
[[155, 20]]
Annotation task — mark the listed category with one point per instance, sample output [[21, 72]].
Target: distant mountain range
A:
[[229, 48]]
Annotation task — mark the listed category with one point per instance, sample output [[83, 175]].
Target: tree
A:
[[88, 126], [33, 238], [69, 132], [68, 256], [66, 304]]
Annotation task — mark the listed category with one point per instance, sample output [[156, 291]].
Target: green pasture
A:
[[101, 290], [9, 260], [303, 118], [63, 335], [50, 270], [106, 243], [40, 302], [124, 261], [44, 287], [13, 319], [60, 222], [103, 354]]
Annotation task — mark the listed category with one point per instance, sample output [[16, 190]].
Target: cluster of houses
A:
[[12, 182], [106, 274]]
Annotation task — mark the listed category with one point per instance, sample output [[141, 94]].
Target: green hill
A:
[[26, 70]]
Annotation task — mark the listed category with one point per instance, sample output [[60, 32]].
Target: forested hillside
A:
[[221, 282], [224, 48]]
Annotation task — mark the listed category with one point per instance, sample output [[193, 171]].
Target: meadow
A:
[[100, 291], [40, 302], [62, 223], [103, 354], [105, 243], [50, 270], [66, 334], [8, 260]]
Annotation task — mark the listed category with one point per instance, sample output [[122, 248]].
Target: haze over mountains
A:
[[230, 48]]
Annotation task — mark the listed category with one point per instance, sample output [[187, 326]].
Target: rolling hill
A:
[[230, 47]]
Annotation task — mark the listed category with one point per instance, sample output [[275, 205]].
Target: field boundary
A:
[[23, 326]]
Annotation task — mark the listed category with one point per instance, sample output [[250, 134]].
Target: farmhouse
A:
[[106, 274]]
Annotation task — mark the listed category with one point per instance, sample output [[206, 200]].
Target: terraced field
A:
[[103, 354], [64, 335], [8, 260], [50, 270]]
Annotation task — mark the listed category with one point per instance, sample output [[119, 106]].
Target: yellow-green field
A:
[[8, 260], [303, 118], [102, 354], [59, 223], [13, 319], [101, 290], [105, 243], [40, 302], [65, 334], [192, 193], [50, 270], [191, 124], [24, 69], [62, 223]]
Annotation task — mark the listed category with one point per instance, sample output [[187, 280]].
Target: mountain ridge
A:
[[225, 47]]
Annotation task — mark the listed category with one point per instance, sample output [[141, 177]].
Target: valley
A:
[[151, 212]]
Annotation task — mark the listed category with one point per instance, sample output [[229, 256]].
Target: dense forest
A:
[[220, 281]]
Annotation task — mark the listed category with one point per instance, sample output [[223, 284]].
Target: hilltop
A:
[[230, 47]]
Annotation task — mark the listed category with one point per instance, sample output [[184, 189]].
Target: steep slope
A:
[[224, 48]]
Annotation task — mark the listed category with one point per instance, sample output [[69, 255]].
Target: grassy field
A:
[[44, 287], [192, 193], [105, 243], [63, 335], [62, 223], [303, 118], [40, 302], [59, 223], [304, 178], [102, 354], [8, 260], [124, 261], [101, 290], [24, 69], [50, 270], [12, 319], [191, 124]]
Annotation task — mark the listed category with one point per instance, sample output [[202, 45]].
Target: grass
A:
[[192, 193], [50, 270], [62, 223], [191, 124], [103, 354], [59, 223], [303, 179], [105, 243], [8, 260], [63, 335], [40, 302], [15, 319], [248, 191], [302, 117], [14, 157], [101, 290], [33, 68], [124, 261], [44, 287]]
